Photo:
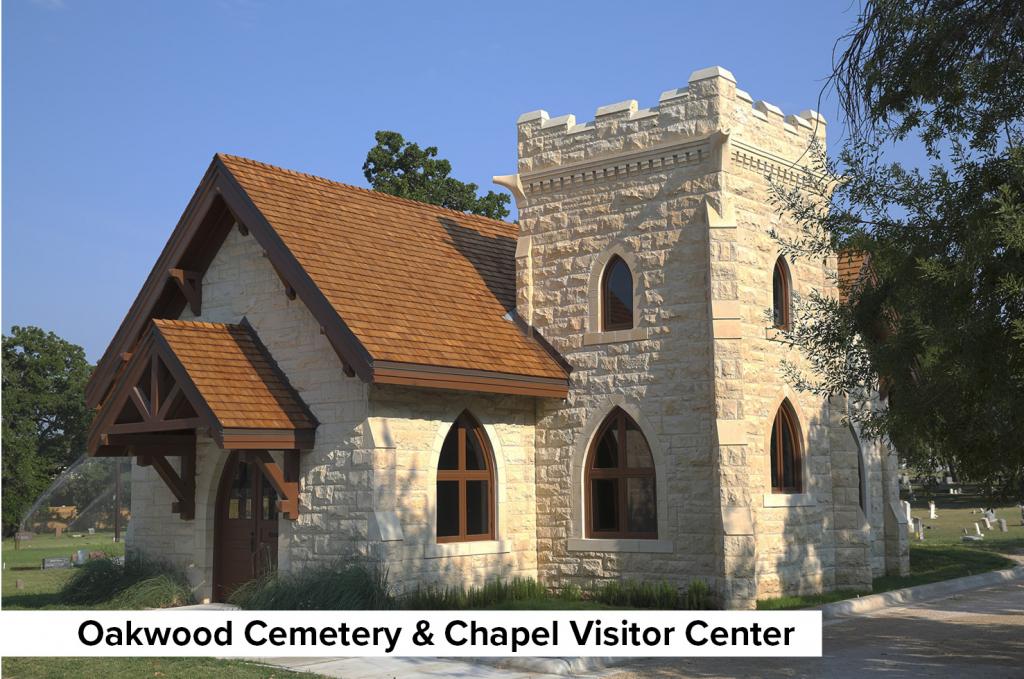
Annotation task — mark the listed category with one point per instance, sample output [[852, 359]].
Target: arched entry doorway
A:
[[245, 530]]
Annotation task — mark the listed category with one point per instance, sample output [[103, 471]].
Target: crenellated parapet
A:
[[684, 129]]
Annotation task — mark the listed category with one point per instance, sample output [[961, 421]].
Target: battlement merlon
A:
[[710, 102]]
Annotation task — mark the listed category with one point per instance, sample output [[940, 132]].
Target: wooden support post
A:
[[287, 490]]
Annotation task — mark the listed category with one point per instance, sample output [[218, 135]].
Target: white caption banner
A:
[[411, 633]]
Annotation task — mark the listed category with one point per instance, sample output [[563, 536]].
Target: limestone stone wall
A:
[[680, 191], [405, 431], [336, 476]]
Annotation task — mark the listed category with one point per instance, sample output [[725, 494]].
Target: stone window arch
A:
[[465, 497], [786, 451], [782, 295], [617, 302], [620, 482]]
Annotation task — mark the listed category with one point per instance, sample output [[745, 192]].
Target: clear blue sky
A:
[[112, 110]]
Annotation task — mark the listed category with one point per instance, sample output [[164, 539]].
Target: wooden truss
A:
[[153, 414]]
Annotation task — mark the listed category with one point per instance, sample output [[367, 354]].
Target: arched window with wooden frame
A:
[[621, 500], [786, 452], [616, 295], [465, 484], [782, 294]]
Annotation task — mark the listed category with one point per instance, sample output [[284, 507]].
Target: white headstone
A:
[[1002, 526], [906, 510], [931, 510], [977, 528], [949, 480], [965, 531], [988, 522], [919, 528]]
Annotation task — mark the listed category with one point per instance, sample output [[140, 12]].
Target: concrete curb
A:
[[908, 595]]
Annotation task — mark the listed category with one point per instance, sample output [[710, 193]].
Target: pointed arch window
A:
[[786, 454], [616, 295], [781, 295], [620, 482], [465, 484]]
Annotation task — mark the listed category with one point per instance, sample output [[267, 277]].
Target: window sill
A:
[[789, 500], [623, 545], [441, 550], [614, 336]]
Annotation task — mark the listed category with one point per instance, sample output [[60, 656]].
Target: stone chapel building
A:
[[314, 371]]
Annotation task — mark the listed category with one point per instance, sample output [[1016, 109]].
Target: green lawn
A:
[[39, 587], [941, 556], [132, 668]]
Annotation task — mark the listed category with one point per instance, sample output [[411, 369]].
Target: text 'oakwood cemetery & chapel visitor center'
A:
[[315, 372]]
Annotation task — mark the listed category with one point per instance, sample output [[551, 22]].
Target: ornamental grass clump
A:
[[136, 583], [336, 586], [491, 594]]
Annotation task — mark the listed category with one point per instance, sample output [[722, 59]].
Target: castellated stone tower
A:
[[678, 192]]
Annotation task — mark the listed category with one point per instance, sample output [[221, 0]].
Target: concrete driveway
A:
[[972, 634]]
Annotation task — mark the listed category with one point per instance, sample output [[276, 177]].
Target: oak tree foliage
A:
[[402, 168], [937, 319], [45, 418]]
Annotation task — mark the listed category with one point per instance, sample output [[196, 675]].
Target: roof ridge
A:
[[375, 194]]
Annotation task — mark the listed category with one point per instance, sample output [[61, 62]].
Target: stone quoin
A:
[[315, 372]]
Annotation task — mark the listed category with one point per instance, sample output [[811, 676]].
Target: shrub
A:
[[138, 583], [336, 586]]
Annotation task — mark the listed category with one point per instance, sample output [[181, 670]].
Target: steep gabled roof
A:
[[407, 293]]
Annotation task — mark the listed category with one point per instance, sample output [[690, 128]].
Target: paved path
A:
[[972, 634]]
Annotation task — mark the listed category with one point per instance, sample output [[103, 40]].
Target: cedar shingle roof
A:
[[415, 283], [850, 264], [234, 375]]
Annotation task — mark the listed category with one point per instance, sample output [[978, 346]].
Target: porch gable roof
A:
[[188, 375]]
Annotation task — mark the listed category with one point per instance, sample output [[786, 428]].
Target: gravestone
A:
[[1002, 526], [970, 538], [949, 480], [919, 528], [60, 530], [977, 528], [988, 522], [92, 531], [965, 531], [56, 562], [906, 510], [931, 510], [19, 584]]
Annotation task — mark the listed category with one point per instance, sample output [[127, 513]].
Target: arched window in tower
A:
[[620, 482], [616, 296], [786, 462], [781, 295], [465, 484]]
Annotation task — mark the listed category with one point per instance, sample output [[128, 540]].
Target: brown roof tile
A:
[[414, 282], [234, 375], [850, 269]]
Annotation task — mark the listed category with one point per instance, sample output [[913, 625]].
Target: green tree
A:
[[938, 319], [402, 168], [45, 419]]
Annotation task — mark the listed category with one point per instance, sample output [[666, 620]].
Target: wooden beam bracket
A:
[[183, 486], [191, 285], [285, 481]]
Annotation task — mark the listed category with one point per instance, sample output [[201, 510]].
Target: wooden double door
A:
[[246, 528]]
